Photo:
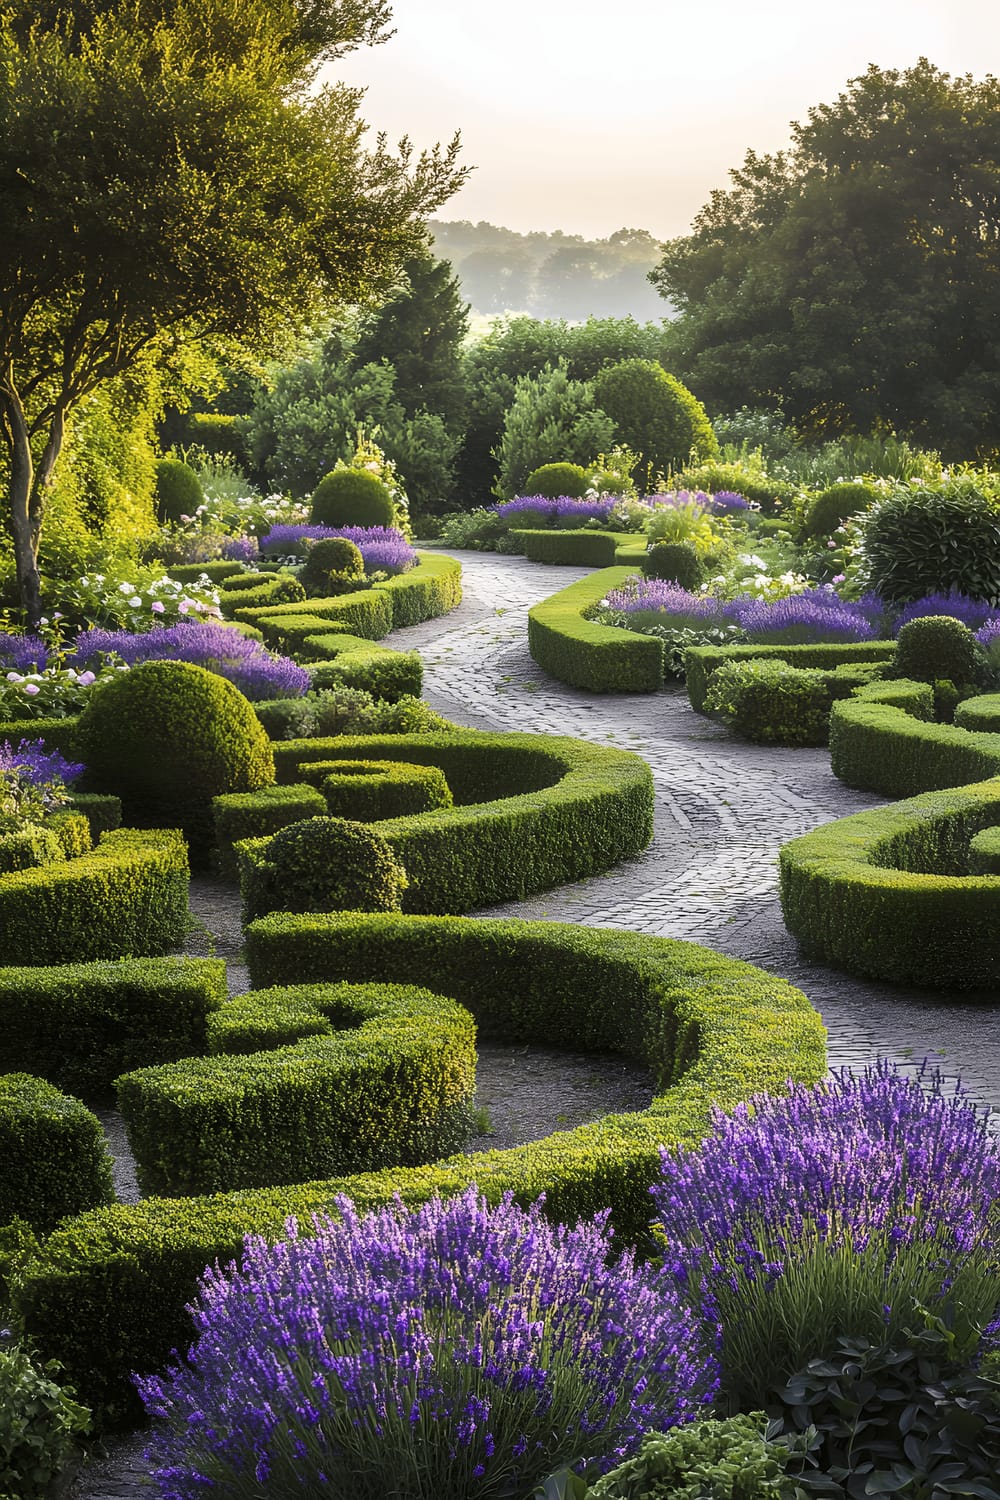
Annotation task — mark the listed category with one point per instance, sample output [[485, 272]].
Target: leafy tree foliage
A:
[[656, 416], [854, 280], [552, 419]]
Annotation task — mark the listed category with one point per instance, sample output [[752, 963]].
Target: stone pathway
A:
[[723, 810]]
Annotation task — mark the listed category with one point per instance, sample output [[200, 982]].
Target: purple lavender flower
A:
[[814, 616], [726, 502], [972, 612], [23, 653], [37, 765], [257, 672], [564, 510], [383, 548], [243, 549], [451, 1352], [644, 595]]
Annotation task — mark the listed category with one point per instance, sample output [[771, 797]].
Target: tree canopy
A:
[[854, 280]]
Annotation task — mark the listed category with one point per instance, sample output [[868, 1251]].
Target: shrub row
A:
[[600, 658], [215, 572], [532, 811], [771, 703], [877, 744], [350, 661], [701, 661], [981, 714], [58, 734], [254, 815], [107, 1296], [306, 1082], [55, 1160], [372, 790], [432, 588], [579, 548]]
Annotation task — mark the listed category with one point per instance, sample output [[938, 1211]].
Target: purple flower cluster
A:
[[37, 765], [383, 548], [23, 653], [817, 615], [563, 511], [726, 502], [244, 549], [257, 672], [972, 612], [649, 595], [442, 1353]]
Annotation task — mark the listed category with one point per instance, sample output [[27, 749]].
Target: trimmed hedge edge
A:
[[600, 658]]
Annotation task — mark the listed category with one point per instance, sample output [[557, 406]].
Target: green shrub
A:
[[655, 415], [701, 662], [678, 562], [710, 1460], [980, 714], [835, 505], [102, 812], [108, 1295], [921, 540], [320, 864], [177, 491], [333, 565], [128, 897], [369, 790], [72, 829], [39, 1425], [355, 663], [554, 480], [29, 849], [984, 852], [599, 658], [575, 549], [216, 572], [79, 1025], [255, 815], [772, 703], [56, 1162], [881, 742], [937, 647], [169, 736], [58, 734], [351, 497], [753, 484], [308, 1082], [270, 589], [432, 588], [218, 434]]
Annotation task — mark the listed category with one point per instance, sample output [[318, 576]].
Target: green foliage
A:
[[333, 566], [551, 419], [167, 737], [29, 848], [336, 710], [355, 663], [178, 492], [579, 549], [711, 1460], [257, 815], [320, 864], [554, 480], [39, 1425], [80, 1025], [771, 702], [938, 646], [835, 505], [701, 662], [306, 1082], [686, 522], [657, 416], [772, 494], [984, 852], [600, 658], [921, 540], [981, 713], [351, 497], [267, 590], [883, 743], [677, 561], [56, 1162], [370, 790]]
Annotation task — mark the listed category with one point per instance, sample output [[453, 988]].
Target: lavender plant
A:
[[451, 1352], [258, 673], [383, 548], [565, 510], [813, 616], [835, 1210]]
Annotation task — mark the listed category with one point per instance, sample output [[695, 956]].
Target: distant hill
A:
[[552, 275]]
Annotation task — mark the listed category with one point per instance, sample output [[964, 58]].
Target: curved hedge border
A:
[[881, 742], [981, 714], [55, 1158], [305, 1082], [128, 897], [600, 658], [349, 661], [106, 1295], [701, 661], [579, 547], [432, 588], [559, 809]]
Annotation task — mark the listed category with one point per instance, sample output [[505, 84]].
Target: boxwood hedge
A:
[[55, 1160], [701, 661], [432, 588], [579, 548], [600, 658], [882, 741]]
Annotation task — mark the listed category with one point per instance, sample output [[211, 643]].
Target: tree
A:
[[552, 419], [854, 281], [656, 416], [171, 173]]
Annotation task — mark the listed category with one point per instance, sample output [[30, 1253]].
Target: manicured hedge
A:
[[55, 1161], [701, 661], [80, 1025], [881, 747], [107, 1295], [368, 791], [102, 811], [579, 548], [58, 734], [532, 811], [215, 572], [254, 815], [771, 703], [126, 898], [886, 894], [268, 592], [432, 588], [288, 627], [349, 661], [309, 1081], [600, 658], [981, 714]]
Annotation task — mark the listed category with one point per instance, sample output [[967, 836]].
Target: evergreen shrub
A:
[[177, 491], [56, 1162], [553, 480], [320, 864], [677, 562], [351, 497]]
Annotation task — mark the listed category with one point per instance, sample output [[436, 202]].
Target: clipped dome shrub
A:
[[334, 565], [351, 497], [922, 540], [938, 648], [320, 864], [677, 562], [177, 492], [655, 415], [554, 480], [168, 736], [835, 505]]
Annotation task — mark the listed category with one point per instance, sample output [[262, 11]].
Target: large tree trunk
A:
[[28, 489]]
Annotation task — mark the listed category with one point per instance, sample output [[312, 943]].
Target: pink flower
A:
[[831, 543], [182, 608], [157, 606], [839, 578], [86, 678], [31, 688]]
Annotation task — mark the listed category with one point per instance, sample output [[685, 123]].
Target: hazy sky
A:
[[587, 117]]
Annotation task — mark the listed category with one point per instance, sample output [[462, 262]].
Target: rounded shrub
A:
[[369, 790], [553, 480], [920, 540], [320, 864], [167, 737], [676, 562], [656, 416], [177, 492], [351, 497], [936, 648], [835, 505], [333, 565]]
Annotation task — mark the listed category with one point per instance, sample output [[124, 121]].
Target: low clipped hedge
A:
[[58, 734], [432, 588], [309, 1081], [349, 661], [268, 591], [882, 742], [102, 810], [369, 791], [80, 1025], [701, 661], [255, 815], [215, 572], [600, 658], [984, 852], [531, 811], [107, 1295], [580, 548], [886, 893], [55, 1161], [771, 703], [288, 627], [127, 898], [980, 714]]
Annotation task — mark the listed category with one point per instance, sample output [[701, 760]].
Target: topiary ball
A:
[[333, 565], [836, 505], [177, 492], [167, 737], [676, 562], [351, 497], [320, 864], [556, 480], [934, 648]]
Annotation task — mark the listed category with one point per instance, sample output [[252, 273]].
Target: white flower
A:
[[135, 602]]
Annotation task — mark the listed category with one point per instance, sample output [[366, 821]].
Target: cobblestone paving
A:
[[723, 810]]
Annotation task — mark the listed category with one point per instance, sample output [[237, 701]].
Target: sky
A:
[[590, 117]]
